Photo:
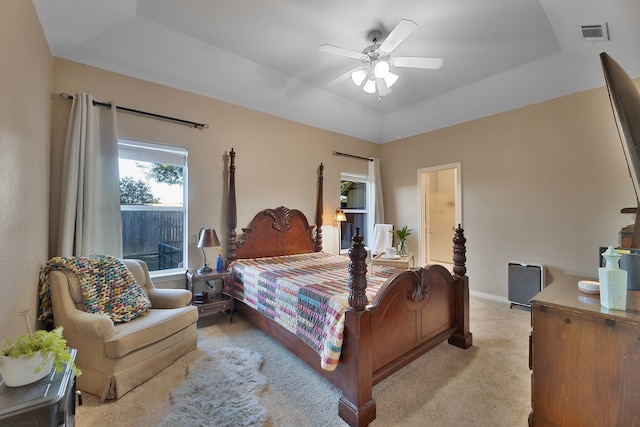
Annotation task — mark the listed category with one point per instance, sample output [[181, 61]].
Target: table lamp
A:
[[340, 218], [208, 239]]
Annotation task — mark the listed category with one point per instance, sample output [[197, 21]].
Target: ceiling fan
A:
[[374, 72]]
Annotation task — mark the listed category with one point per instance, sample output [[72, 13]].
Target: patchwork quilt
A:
[[307, 294]]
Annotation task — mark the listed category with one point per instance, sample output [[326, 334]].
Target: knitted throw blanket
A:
[[108, 287]]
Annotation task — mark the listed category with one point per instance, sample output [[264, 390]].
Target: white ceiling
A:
[[498, 54]]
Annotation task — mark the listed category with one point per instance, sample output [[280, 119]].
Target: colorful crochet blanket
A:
[[108, 287], [307, 294]]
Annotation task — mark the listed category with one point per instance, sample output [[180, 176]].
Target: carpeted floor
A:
[[486, 385]]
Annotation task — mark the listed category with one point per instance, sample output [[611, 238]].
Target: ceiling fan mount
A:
[[374, 36], [372, 51], [374, 74]]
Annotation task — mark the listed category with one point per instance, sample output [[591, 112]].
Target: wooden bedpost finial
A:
[[232, 216], [319, 208], [358, 273], [459, 252]]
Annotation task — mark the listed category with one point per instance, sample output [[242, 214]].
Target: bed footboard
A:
[[411, 314]]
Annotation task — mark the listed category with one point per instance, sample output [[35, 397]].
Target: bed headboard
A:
[[276, 232], [272, 232]]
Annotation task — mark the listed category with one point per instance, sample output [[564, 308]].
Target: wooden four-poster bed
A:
[[409, 313]]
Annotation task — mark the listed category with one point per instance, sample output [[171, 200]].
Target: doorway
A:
[[440, 212]]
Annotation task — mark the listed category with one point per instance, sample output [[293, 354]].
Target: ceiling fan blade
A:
[[341, 51], [397, 35], [383, 90], [342, 77], [418, 62]]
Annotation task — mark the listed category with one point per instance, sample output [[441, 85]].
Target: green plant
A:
[[48, 343], [402, 233], [135, 192]]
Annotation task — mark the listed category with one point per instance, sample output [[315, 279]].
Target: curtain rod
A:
[[145, 113], [337, 153]]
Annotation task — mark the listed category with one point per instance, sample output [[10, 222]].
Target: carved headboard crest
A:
[[281, 218]]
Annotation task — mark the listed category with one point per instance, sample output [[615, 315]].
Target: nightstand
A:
[[50, 401], [209, 302]]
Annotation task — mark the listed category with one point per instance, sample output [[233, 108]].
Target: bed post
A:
[[462, 338], [319, 209], [232, 217], [357, 406], [358, 273]]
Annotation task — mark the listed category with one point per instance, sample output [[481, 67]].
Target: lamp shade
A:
[[390, 79], [370, 86], [380, 68], [358, 76], [340, 216], [208, 238]]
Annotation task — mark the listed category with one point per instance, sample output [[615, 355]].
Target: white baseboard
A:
[[489, 296]]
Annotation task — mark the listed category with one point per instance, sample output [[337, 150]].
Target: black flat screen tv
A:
[[625, 101]]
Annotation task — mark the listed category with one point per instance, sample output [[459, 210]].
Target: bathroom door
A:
[[440, 210]]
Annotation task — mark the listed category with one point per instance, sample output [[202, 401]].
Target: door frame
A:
[[424, 200]]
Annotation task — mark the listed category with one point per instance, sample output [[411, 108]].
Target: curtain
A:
[[375, 202], [90, 220]]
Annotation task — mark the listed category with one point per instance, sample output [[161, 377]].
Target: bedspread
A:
[[307, 294]]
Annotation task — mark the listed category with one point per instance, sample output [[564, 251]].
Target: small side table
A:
[[208, 302], [50, 401], [405, 262]]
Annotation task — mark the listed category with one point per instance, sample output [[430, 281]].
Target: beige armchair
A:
[[117, 358]]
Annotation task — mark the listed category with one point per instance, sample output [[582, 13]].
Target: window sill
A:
[[162, 276]]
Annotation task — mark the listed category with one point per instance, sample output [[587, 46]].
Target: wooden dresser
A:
[[585, 359]]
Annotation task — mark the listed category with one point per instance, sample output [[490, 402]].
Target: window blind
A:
[[151, 152]]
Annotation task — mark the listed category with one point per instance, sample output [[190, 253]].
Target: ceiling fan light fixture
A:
[[358, 77], [373, 74], [380, 68], [390, 79], [369, 86]]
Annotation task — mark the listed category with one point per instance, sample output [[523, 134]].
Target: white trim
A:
[[350, 176], [152, 152], [491, 297], [361, 178], [150, 208], [165, 276], [421, 197]]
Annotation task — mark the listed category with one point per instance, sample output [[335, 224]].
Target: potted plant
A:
[[32, 356], [402, 235]]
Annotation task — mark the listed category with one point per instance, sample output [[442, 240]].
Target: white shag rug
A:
[[222, 388]]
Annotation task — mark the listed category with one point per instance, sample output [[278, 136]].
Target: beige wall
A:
[[536, 182], [540, 184], [276, 162], [25, 78]]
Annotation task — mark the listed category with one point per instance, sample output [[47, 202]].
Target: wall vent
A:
[[595, 32]]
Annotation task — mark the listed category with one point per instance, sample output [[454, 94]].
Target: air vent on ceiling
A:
[[595, 32]]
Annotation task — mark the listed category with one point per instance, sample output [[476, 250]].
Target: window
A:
[[153, 189], [354, 202]]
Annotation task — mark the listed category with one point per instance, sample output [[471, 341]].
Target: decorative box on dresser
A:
[[585, 359]]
